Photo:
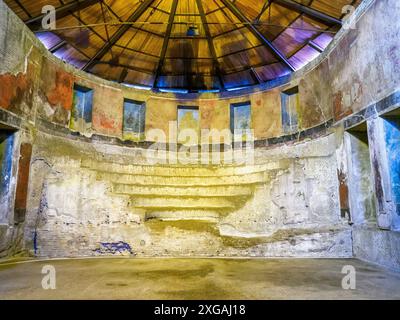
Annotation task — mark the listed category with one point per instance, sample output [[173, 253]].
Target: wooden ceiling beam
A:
[[23, 8], [125, 66], [61, 12], [310, 12], [265, 7], [118, 34], [210, 44], [228, 31], [58, 46], [242, 18], [132, 26], [166, 41]]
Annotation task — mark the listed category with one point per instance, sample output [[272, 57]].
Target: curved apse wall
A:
[[83, 195]]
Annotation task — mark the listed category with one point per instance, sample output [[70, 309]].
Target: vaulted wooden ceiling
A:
[[146, 43]]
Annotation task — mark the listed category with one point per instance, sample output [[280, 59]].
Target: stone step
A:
[[179, 215], [253, 178], [157, 203], [181, 171], [203, 191]]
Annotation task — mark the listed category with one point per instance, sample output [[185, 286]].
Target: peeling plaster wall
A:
[[72, 211], [74, 208]]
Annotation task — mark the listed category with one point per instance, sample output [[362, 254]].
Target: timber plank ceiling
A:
[[192, 45]]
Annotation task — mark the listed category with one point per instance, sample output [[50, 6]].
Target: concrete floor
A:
[[177, 279]]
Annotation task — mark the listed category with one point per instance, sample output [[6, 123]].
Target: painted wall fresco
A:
[[134, 120], [266, 114], [56, 91], [108, 104], [21, 195]]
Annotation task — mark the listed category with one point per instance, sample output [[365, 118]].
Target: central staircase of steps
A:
[[177, 192]]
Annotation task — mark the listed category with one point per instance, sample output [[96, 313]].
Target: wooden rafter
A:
[[118, 34], [166, 41], [310, 12], [153, 63], [265, 7], [242, 18], [210, 43], [61, 12], [23, 8]]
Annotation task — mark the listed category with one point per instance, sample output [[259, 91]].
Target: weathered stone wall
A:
[[89, 199], [75, 209]]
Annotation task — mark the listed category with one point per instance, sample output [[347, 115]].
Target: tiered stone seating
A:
[[177, 192]]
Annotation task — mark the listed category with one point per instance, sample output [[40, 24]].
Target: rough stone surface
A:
[[80, 199], [377, 246]]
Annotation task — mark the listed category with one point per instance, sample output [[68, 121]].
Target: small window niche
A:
[[240, 121], [134, 120], [188, 125], [391, 125], [360, 181], [290, 102], [81, 115]]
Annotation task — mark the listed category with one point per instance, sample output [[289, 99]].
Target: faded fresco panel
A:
[[188, 121], [134, 120]]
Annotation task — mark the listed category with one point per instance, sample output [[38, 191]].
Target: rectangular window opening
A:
[[240, 121], [134, 120], [81, 115], [290, 104], [188, 125]]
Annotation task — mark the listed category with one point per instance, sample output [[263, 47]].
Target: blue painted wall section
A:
[[392, 137], [120, 247], [6, 157], [82, 106]]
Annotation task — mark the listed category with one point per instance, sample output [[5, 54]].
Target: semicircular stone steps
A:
[[177, 192], [183, 191], [144, 180], [180, 170], [182, 203], [184, 214]]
